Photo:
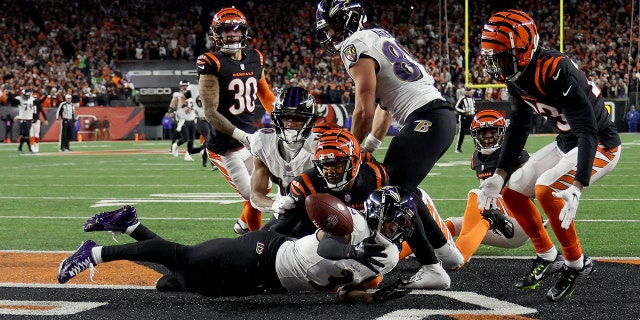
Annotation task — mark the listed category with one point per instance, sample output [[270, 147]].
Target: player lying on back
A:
[[233, 267], [341, 172]]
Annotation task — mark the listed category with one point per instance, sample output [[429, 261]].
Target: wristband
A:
[[371, 143]]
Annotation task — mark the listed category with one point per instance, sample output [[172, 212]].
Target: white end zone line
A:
[[487, 306], [45, 308]]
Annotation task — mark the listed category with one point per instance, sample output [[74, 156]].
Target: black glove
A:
[[366, 252], [390, 292]]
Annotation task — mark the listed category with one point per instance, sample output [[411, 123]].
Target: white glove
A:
[[243, 137], [179, 126], [571, 198], [282, 204], [489, 191]]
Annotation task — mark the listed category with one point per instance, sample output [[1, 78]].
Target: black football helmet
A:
[[343, 17], [296, 103], [395, 205]]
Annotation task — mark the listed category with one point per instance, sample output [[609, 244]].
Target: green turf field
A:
[[47, 197]]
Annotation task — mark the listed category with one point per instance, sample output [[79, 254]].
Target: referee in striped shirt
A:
[[466, 109], [66, 111]]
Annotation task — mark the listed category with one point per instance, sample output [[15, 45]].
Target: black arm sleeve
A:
[[334, 248]]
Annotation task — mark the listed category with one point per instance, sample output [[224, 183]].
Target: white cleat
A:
[[429, 277], [187, 157], [174, 150], [451, 257]]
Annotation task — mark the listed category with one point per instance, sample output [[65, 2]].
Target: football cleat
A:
[[116, 221], [169, 283], [499, 222], [390, 292], [540, 270], [187, 157], [241, 227], [431, 276], [77, 262], [174, 150], [569, 277]]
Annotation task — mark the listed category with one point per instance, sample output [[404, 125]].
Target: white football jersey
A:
[[26, 108], [264, 146], [403, 84], [301, 269]]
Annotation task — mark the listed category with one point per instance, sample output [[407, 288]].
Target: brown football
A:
[[329, 214]]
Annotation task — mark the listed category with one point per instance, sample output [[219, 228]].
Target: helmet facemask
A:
[[508, 44], [294, 114], [487, 130], [336, 20], [390, 212], [225, 21], [337, 158]]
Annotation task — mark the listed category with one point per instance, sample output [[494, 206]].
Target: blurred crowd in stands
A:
[[56, 47]]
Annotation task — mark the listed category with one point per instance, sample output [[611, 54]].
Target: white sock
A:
[[96, 254], [549, 255], [131, 228], [576, 264]]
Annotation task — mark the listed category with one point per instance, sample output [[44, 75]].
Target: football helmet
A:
[[229, 19], [337, 158], [487, 130], [395, 205], [184, 84], [295, 103], [336, 20], [26, 92], [509, 41]]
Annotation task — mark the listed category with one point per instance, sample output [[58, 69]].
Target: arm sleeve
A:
[[516, 134], [267, 98], [334, 248]]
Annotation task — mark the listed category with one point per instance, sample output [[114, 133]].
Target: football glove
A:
[[489, 190], [366, 253], [282, 204], [180, 124], [243, 137], [571, 198]]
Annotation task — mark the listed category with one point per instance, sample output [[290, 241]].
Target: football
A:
[[329, 214]]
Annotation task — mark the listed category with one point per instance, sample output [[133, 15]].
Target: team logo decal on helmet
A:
[[294, 104], [509, 41], [336, 20], [390, 211]]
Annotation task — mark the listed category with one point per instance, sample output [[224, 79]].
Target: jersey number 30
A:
[[245, 95]]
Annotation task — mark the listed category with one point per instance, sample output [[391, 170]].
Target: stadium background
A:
[[46, 198], [137, 58]]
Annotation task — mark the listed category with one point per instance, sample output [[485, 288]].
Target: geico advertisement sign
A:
[[154, 91]]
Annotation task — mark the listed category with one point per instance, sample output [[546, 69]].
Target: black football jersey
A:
[[485, 165], [554, 87], [371, 176], [238, 80]]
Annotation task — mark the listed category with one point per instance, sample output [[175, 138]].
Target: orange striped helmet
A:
[[509, 40], [337, 158], [229, 19], [487, 130]]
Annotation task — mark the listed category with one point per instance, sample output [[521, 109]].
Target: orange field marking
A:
[[630, 261], [42, 268]]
